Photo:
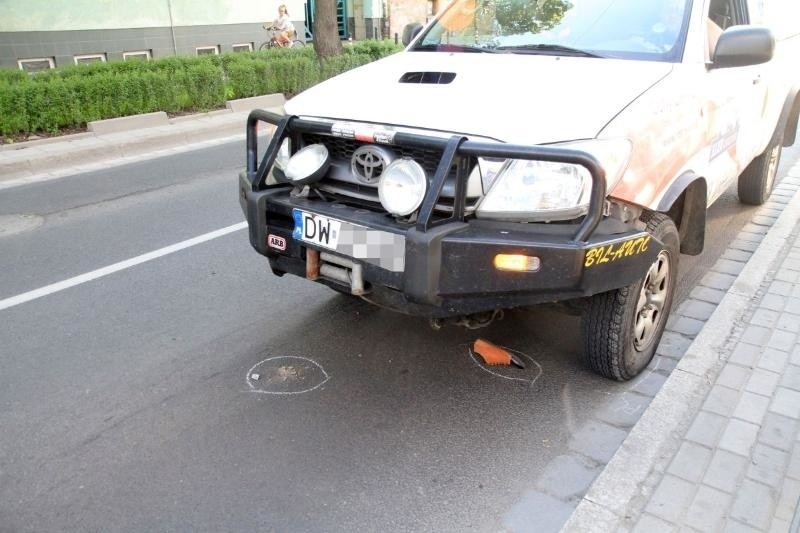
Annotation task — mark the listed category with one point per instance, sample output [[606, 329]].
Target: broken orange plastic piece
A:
[[492, 354]]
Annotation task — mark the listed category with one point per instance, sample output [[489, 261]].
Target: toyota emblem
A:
[[369, 162]]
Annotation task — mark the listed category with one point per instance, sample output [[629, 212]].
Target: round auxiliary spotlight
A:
[[307, 165], [402, 187]]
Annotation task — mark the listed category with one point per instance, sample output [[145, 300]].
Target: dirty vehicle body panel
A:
[[579, 176]]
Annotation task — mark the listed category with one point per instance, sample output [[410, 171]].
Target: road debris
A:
[[495, 355]]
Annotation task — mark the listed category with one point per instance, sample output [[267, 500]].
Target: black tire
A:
[[266, 45], [298, 42], [758, 179], [622, 328]]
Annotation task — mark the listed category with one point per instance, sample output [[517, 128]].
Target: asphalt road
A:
[[157, 397]]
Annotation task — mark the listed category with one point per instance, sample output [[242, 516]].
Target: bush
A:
[[13, 110], [11, 76], [375, 49], [72, 96], [205, 87], [339, 64]]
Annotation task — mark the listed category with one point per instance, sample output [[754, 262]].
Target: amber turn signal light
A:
[[517, 262]]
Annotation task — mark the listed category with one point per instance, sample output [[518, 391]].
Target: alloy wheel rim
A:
[[652, 302]]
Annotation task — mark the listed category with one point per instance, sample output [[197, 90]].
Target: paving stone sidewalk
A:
[[738, 465], [719, 447]]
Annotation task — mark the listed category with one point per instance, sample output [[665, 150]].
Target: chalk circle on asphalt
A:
[[286, 375], [528, 375]]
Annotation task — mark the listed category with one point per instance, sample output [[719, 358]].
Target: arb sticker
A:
[[274, 241], [612, 252]]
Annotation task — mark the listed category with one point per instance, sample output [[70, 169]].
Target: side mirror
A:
[[740, 46], [411, 31]]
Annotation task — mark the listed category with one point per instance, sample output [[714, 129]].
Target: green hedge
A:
[[72, 96]]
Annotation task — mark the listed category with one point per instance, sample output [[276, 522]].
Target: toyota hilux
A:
[[523, 152]]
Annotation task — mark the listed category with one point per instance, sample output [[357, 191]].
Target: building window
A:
[[243, 47], [36, 64], [208, 50], [139, 55], [90, 58]]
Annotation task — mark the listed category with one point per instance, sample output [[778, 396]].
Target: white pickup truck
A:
[[520, 152]]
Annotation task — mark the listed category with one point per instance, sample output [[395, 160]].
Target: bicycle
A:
[[273, 42]]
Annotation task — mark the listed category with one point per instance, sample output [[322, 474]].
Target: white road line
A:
[[116, 267]]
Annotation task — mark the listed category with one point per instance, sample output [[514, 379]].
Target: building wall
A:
[[63, 46], [402, 12], [64, 15], [366, 28], [61, 29], [365, 20], [373, 9], [374, 28]]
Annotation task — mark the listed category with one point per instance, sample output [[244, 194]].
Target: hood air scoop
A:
[[435, 78]]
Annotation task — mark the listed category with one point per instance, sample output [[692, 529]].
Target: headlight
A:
[[542, 191], [402, 187], [277, 175], [308, 165], [489, 169], [535, 189]]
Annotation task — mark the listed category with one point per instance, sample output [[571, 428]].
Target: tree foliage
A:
[[521, 16]]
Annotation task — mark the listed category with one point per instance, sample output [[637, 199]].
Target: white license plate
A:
[[316, 229]]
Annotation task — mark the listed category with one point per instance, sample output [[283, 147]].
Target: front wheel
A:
[[266, 45], [622, 328]]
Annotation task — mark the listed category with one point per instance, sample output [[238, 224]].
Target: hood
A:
[[526, 99]]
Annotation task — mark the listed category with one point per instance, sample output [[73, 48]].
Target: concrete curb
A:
[[653, 440], [256, 102], [133, 122], [45, 141]]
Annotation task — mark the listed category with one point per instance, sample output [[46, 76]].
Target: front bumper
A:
[[440, 268]]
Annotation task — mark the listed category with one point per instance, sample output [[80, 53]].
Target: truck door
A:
[[736, 104], [780, 16]]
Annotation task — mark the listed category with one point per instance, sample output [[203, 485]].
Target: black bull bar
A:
[[600, 255], [455, 150]]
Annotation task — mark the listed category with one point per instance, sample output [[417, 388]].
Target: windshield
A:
[[629, 29]]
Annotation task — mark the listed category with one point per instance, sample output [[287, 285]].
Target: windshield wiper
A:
[[557, 49], [454, 48]]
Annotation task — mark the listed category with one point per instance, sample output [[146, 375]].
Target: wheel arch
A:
[[685, 203]]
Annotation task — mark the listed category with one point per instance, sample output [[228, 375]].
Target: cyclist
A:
[[282, 27]]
